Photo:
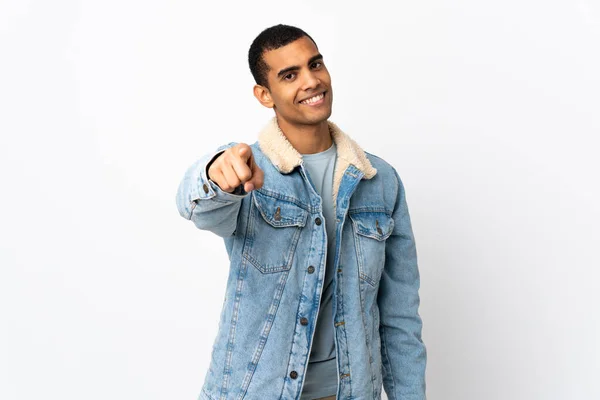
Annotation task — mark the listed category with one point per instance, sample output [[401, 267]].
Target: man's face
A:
[[299, 83]]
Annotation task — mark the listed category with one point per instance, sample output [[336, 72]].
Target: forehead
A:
[[297, 53]]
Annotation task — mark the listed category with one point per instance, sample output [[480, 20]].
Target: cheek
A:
[[325, 77], [285, 97]]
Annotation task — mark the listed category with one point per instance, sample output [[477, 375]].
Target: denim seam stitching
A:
[[265, 334], [232, 328], [258, 265], [364, 209], [389, 364], [207, 394], [369, 341], [341, 286], [359, 258], [280, 196]]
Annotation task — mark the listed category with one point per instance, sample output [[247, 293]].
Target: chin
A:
[[310, 119], [315, 119]]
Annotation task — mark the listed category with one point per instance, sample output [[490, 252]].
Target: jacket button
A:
[[278, 214], [293, 374], [311, 269], [318, 221], [304, 321], [205, 187]]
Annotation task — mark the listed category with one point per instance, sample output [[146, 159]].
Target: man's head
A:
[[290, 75]]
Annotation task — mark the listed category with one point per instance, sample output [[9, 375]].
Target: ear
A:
[[263, 95]]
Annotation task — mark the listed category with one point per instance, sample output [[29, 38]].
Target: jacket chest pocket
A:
[[273, 232], [371, 229]]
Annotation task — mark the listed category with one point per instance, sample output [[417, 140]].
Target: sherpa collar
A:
[[285, 157]]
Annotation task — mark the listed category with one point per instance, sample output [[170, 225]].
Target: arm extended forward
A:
[[212, 188]]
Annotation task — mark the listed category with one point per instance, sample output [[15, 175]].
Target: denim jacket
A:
[[277, 245]]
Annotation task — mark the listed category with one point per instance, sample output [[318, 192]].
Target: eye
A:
[[290, 76], [317, 64]]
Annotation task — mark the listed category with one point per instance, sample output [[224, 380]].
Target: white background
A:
[[489, 110]]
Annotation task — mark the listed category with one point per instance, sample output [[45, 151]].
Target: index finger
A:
[[241, 168], [244, 152]]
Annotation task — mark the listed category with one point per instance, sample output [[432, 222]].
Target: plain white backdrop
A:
[[489, 110]]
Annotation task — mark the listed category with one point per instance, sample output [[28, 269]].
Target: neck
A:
[[307, 139]]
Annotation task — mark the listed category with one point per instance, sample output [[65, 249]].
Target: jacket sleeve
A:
[[403, 352], [203, 202]]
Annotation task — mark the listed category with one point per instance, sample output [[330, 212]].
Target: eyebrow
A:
[[296, 67]]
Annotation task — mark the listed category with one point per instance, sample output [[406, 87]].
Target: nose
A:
[[311, 81]]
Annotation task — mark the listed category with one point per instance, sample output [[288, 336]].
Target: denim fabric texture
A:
[[277, 248]]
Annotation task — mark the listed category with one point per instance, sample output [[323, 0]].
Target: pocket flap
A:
[[277, 212], [376, 225]]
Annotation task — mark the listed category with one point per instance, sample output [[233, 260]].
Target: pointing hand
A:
[[234, 167]]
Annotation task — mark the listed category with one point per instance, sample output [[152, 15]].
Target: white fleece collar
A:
[[285, 157]]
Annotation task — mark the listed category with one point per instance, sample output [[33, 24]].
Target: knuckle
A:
[[214, 170], [245, 175]]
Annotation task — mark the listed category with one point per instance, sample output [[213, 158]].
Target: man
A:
[[322, 296]]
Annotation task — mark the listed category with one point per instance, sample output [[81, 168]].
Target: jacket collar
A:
[[285, 157]]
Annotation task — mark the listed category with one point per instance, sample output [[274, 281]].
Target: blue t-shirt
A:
[[321, 374]]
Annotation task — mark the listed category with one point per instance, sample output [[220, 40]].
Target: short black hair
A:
[[271, 38]]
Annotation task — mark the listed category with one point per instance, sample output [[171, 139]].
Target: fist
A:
[[234, 167]]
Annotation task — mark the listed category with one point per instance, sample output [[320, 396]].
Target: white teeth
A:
[[313, 99]]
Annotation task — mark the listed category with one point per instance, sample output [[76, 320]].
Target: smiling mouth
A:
[[315, 100]]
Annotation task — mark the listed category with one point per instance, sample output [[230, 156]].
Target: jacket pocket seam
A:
[[249, 245]]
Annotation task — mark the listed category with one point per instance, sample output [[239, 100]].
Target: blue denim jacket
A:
[[277, 247]]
